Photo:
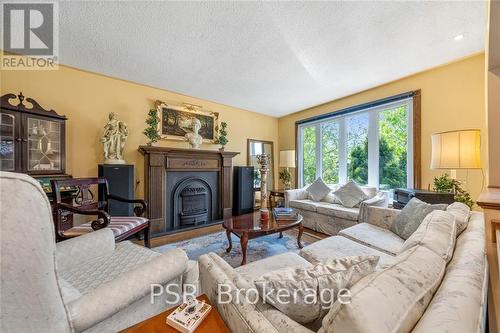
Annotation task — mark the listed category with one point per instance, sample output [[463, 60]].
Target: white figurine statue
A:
[[194, 138], [113, 140]]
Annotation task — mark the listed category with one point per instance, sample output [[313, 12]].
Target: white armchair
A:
[[87, 283]]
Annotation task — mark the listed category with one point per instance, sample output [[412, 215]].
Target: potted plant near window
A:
[[223, 135], [151, 131], [286, 178], [445, 183], [287, 161]]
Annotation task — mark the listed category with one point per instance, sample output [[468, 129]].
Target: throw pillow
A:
[[370, 191], [392, 300], [437, 233], [318, 190], [306, 294], [411, 216], [462, 214], [330, 197], [350, 194]]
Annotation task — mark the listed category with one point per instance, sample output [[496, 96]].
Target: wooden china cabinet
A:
[[31, 138], [32, 141]]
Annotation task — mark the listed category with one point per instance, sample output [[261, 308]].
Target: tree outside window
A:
[[309, 153], [330, 151], [357, 148]]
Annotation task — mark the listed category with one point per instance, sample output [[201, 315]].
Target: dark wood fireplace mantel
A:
[[158, 161]]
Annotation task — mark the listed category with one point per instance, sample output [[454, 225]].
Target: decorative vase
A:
[[264, 214], [221, 148]]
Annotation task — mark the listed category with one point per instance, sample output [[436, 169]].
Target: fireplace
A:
[[186, 188], [192, 199]]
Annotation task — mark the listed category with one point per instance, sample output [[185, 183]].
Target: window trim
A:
[[414, 142]]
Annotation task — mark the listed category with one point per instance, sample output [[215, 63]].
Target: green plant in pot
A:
[[151, 131], [445, 183], [286, 178], [223, 135]]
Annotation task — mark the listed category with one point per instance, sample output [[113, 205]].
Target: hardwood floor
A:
[[316, 234]]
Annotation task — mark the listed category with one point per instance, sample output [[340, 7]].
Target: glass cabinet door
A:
[[44, 145], [7, 137]]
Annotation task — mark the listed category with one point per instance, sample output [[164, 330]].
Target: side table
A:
[[403, 195], [213, 323], [277, 193]]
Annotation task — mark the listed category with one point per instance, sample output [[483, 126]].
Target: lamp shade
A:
[[456, 150], [287, 158]]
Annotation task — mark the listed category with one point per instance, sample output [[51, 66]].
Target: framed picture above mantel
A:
[[176, 121]]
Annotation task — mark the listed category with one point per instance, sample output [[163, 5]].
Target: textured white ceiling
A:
[[269, 57]]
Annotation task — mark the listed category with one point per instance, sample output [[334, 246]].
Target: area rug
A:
[[257, 248]]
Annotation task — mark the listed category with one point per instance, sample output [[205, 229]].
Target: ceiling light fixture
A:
[[459, 37]]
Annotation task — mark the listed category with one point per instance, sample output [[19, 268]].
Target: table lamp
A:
[[460, 149], [287, 160]]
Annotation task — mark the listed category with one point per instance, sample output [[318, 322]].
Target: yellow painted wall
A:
[[87, 98], [452, 98]]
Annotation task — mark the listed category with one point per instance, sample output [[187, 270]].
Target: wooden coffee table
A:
[[250, 226], [213, 323]]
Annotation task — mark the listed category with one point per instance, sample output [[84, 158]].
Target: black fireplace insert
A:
[[194, 208], [192, 199]]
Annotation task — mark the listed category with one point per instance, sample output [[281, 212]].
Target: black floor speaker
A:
[[243, 194], [121, 183]]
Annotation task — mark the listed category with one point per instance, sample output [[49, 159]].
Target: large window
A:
[[371, 145]]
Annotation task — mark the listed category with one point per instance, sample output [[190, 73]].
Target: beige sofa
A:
[[87, 283], [456, 301], [328, 216]]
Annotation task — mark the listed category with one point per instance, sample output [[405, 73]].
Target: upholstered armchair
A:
[[88, 283]]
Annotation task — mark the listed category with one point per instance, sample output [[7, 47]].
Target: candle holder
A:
[[264, 161]]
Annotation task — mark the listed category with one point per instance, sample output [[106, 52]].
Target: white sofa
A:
[[87, 283], [328, 216], [457, 303]]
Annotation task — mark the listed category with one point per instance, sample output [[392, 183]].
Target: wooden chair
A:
[[86, 203]]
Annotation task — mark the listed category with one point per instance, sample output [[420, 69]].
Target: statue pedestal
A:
[[112, 161]]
